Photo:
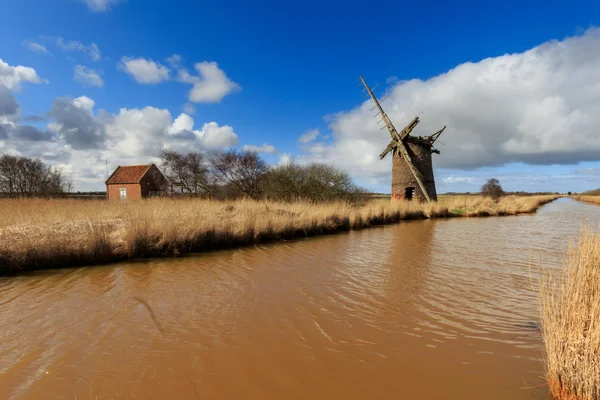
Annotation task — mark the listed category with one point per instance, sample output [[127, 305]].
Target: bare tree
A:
[[188, 170], [68, 185], [26, 177], [243, 170], [492, 189]]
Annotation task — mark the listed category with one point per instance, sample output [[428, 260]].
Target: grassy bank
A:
[[587, 199], [54, 233], [570, 307]]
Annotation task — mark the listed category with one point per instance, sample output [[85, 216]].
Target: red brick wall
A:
[[402, 176], [133, 191]]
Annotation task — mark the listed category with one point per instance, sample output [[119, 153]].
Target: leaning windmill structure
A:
[[412, 167]]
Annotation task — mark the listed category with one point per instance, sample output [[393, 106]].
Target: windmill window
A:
[[409, 192]]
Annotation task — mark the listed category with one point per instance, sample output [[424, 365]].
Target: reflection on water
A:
[[424, 309]]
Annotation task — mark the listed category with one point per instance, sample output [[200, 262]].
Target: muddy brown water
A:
[[421, 310]]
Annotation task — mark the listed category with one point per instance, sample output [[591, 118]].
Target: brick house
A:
[[134, 182]]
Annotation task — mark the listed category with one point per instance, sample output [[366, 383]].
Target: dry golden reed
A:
[[53, 233], [588, 199], [570, 315]]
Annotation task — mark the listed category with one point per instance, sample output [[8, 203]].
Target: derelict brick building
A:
[[134, 182]]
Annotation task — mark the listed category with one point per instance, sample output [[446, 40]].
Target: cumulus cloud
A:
[[265, 148], [76, 124], [30, 133], [92, 51], [182, 123], [144, 70], [10, 127], [100, 5], [4, 131], [13, 76], [541, 106], [214, 136], [36, 47], [138, 132], [79, 138], [211, 84], [309, 136], [8, 105], [87, 76], [189, 108]]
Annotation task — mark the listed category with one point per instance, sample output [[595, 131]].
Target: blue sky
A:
[[270, 72]]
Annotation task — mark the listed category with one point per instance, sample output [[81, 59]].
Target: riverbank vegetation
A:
[[587, 198], [591, 196], [570, 315], [36, 233]]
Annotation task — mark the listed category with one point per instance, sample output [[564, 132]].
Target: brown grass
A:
[[54, 233], [570, 314], [588, 199]]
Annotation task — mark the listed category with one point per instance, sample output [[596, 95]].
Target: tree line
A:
[[238, 173], [26, 177]]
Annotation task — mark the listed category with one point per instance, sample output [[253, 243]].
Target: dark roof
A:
[[128, 174]]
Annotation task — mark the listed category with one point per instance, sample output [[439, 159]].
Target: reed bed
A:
[[570, 315], [588, 199], [36, 234]]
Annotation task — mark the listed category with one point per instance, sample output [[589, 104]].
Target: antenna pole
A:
[[105, 165]]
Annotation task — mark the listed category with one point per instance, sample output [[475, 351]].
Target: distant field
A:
[[45, 233]]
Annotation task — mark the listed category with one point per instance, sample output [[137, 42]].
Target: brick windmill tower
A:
[[412, 168]]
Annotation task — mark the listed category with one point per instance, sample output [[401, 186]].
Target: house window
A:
[[123, 192], [408, 193]]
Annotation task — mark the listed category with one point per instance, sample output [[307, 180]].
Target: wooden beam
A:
[[389, 148], [437, 134], [409, 128]]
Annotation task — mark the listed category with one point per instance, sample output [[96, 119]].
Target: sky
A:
[[90, 83]]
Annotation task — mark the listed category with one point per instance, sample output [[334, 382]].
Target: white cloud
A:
[[458, 179], [144, 70], [217, 137], [135, 133], [211, 85], [13, 76], [131, 136], [138, 135], [75, 123], [87, 76], [84, 102], [182, 123], [175, 61], [99, 5], [541, 106], [189, 108], [309, 136], [285, 159], [265, 148], [90, 50], [36, 47]]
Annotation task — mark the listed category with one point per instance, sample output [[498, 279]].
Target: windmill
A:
[[412, 168]]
